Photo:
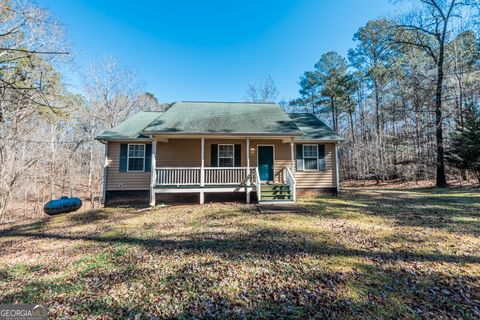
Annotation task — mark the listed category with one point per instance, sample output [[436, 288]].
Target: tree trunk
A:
[[377, 108], [441, 180], [334, 122], [352, 127]]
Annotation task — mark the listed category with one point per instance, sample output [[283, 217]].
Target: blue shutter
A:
[[299, 157], [123, 157], [214, 155], [238, 155], [148, 158], [321, 157]]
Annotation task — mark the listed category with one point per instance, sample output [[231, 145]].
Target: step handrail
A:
[[289, 179], [258, 184]]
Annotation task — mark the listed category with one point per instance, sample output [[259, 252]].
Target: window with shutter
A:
[[310, 157], [136, 158], [226, 155]]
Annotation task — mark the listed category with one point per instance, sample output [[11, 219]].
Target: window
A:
[[310, 156], [226, 155], [136, 157]]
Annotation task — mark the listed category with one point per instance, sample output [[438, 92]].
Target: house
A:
[[208, 148]]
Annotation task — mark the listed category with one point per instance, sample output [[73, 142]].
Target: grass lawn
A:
[[378, 254]]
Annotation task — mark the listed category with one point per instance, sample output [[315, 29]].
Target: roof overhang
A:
[[223, 134], [317, 141], [124, 139]]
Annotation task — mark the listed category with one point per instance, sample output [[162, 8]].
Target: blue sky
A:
[[210, 50]]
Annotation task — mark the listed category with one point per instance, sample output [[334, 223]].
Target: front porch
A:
[[273, 181]]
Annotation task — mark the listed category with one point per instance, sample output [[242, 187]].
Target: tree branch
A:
[[33, 51]]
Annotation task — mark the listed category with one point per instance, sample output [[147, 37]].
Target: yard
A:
[[376, 253]]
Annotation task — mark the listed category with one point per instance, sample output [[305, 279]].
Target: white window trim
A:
[[233, 156], [144, 156], [303, 151]]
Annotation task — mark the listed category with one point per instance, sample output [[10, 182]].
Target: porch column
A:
[[202, 171], [248, 170], [153, 172], [337, 173], [248, 161], [292, 156], [105, 168]]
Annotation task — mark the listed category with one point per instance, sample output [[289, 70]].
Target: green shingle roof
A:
[[224, 118], [132, 127], [313, 128]]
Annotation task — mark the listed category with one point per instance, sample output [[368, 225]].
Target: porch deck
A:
[[218, 179]]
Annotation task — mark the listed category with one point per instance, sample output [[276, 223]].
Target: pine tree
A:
[[464, 151]]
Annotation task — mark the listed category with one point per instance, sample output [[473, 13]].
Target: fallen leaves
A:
[[364, 255]]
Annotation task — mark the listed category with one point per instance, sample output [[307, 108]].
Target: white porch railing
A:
[[289, 179], [211, 176], [178, 176], [234, 175]]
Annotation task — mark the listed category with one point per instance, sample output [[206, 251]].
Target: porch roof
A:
[[313, 128], [226, 118], [131, 128]]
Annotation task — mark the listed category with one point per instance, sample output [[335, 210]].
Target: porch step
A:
[[274, 187], [275, 193], [277, 197]]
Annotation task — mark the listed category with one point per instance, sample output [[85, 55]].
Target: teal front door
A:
[[265, 163]]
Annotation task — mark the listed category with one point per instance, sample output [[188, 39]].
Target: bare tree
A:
[[148, 102], [112, 90], [266, 91], [112, 94], [30, 41], [430, 28]]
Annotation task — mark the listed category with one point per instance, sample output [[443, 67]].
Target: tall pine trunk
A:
[[441, 180], [334, 113]]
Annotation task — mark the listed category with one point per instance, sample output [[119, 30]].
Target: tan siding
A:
[[187, 153], [179, 153], [117, 180], [319, 179]]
